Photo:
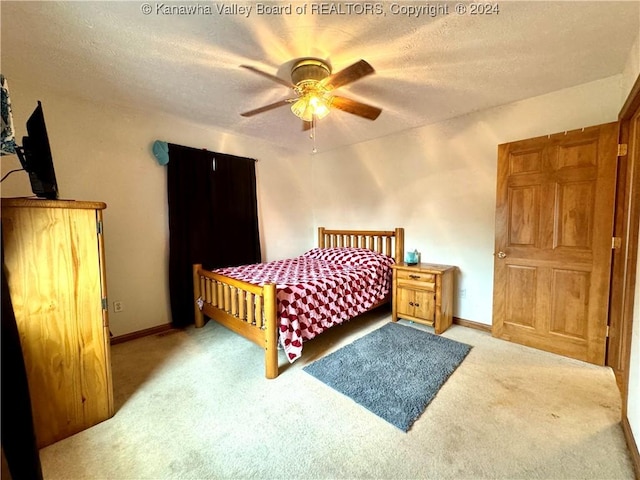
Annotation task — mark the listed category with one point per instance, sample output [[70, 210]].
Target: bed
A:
[[268, 303]]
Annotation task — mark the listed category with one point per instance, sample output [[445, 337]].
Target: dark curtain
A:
[[213, 219], [18, 435]]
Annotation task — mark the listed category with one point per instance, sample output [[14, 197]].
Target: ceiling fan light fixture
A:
[[313, 83], [319, 105], [309, 69], [309, 106]]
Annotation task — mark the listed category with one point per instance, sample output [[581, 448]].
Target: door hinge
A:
[[622, 149], [616, 242], [99, 227], [607, 334], [105, 304]]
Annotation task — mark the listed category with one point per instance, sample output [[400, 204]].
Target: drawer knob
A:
[[414, 277]]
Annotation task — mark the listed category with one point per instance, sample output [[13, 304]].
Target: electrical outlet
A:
[[118, 306], [463, 293]]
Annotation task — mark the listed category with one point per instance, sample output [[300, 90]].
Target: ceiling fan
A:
[[313, 85]]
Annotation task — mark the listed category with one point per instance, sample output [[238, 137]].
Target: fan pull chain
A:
[[313, 134]]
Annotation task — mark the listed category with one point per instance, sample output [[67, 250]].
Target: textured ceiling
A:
[[428, 68]]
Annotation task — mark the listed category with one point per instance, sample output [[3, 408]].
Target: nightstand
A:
[[423, 293]]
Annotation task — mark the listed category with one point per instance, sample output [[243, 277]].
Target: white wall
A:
[[439, 181], [631, 70], [103, 153]]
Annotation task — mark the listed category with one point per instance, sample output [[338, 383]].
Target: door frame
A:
[[623, 274]]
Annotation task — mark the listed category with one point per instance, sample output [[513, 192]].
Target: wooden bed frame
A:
[[250, 310]]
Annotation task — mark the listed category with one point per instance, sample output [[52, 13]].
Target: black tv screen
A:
[[35, 156]]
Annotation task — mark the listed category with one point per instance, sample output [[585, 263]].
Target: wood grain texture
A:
[[55, 266], [43, 203], [625, 258], [423, 293], [146, 332], [633, 446], [554, 222], [472, 324], [387, 242]]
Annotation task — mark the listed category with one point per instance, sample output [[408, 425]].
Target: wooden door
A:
[[554, 220], [416, 303], [424, 303], [405, 299]]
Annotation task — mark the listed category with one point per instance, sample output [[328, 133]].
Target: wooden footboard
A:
[[247, 309]]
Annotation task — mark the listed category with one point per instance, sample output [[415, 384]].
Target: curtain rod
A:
[[230, 155]]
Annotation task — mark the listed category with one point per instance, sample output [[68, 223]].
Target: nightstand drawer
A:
[[416, 276], [417, 285]]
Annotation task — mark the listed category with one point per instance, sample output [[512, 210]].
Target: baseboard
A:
[[620, 381], [633, 446], [127, 337], [471, 324]]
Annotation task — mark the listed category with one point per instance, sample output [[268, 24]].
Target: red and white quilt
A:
[[322, 288]]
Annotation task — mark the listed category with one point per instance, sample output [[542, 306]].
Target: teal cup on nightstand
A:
[[412, 258]]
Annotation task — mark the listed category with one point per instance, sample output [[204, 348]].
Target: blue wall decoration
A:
[[161, 152]]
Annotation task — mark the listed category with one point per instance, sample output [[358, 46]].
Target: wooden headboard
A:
[[387, 242]]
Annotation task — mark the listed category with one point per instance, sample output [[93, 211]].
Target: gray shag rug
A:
[[394, 371]]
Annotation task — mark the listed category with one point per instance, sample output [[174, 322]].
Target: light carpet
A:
[[195, 405]]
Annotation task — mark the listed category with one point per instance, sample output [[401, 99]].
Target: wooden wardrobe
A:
[[54, 259]]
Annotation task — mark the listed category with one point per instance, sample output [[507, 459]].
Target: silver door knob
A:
[[502, 255]]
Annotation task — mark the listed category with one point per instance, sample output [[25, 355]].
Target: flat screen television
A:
[[35, 157]]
